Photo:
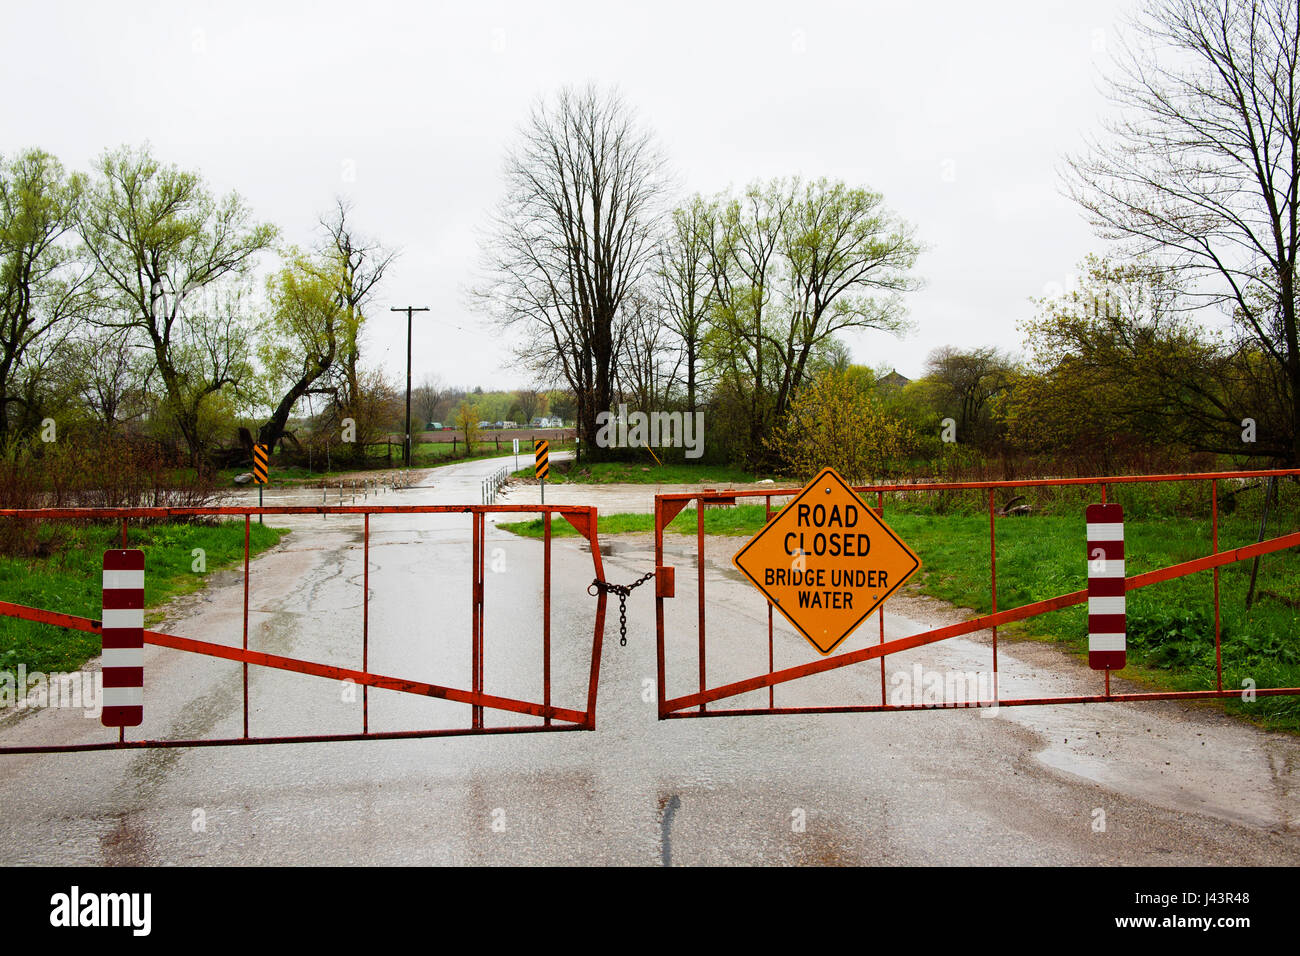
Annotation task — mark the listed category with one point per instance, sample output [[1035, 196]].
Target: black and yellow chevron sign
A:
[[542, 451], [260, 455]]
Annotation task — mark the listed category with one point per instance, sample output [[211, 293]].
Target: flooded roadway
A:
[[1121, 784]]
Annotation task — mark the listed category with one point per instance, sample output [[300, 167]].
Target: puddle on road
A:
[[729, 573], [720, 566], [150, 768]]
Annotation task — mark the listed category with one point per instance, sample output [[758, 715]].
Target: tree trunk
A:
[[690, 375], [273, 428], [187, 420], [1287, 285]]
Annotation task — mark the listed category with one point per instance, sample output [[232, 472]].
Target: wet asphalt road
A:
[[1171, 784]]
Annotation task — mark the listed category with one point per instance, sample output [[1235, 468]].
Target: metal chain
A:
[[622, 590]]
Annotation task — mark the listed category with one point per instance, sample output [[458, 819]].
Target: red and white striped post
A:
[[123, 638], [1107, 632]]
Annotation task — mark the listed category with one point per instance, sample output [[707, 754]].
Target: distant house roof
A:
[[894, 380]]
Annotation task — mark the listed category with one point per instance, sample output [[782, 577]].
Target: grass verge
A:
[[70, 580]]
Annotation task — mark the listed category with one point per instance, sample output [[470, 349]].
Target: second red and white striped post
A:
[[1107, 620], [122, 631]]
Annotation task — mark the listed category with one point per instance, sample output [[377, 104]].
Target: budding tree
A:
[[164, 249], [44, 284]]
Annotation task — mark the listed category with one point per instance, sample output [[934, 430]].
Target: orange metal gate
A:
[[699, 703], [545, 713]]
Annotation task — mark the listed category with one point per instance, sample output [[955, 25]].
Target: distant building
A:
[[892, 381]]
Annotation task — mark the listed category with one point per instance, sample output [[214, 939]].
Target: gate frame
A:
[[583, 518], [668, 506]]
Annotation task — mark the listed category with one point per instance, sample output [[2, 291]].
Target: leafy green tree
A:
[[300, 336], [791, 265], [45, 285], [920, 404], [467, 421], [1064, 412], [164, 247], [849, 261], [834, 422], [743, 241], [970, 387], [1118, 362]]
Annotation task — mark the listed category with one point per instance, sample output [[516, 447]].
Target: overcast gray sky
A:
[[959, 113]]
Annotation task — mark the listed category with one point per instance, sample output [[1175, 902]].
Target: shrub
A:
[[88, 471]]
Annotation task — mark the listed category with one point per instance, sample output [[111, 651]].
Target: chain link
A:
[[622, 590]]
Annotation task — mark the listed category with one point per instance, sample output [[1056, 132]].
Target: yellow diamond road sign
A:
[[826, 561]]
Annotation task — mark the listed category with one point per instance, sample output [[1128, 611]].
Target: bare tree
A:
[[648, 361], [449, 400], [375, 410], [531, 402], [109, 372], [573, 236], [685, 287], [362, 263], [969, 382], [1202, 166], [426, 397]]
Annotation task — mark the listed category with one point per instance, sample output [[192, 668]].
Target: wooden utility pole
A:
[[406, 458]]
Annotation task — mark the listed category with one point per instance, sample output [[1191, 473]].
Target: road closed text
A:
[[843, 543], [834, 553]]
